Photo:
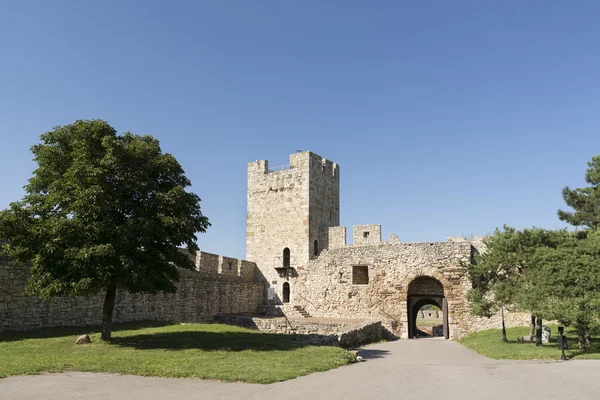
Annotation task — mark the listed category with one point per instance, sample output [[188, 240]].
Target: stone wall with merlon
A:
[[366, 234], [248, 271], [337, 237], [208, 264], [214, 266], [228, 267], [196, 298]]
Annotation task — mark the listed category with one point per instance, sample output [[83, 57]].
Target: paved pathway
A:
[[408, 369]]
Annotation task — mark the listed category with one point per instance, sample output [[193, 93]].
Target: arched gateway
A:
[[422, 291]]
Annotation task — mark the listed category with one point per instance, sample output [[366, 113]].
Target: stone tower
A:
[[289, 212]]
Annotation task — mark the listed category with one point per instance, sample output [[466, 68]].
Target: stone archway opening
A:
[[428, 321], [424, 291]]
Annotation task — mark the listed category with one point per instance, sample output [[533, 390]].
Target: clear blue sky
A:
[[446, 117]]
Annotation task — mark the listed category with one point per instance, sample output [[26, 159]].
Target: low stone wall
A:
[[343, 333], [368, 333], [197, 297], [511, 319]]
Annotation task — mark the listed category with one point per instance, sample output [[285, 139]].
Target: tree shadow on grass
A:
[[211, 341], [46, 333]]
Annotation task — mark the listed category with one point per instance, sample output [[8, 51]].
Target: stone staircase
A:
[[300, 310]]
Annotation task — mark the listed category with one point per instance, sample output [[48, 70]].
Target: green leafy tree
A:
[[568, 278], [500, 272], [585, 201], [102, 212]]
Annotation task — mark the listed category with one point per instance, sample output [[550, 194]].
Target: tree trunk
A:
[[504, 339], [581, 337], [107, 311], [588, 338], [538, 332], [532, 328]]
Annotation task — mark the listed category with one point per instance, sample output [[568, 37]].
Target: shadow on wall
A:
[[277, 300]]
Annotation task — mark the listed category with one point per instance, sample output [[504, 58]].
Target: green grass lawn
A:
[[489, 343], [219, 352]]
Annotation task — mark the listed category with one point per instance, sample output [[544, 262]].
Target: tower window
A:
[[286, 257], [230, 265], [366, 234], [316, 248]]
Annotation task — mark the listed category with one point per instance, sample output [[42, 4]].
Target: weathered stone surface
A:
[[318, 331], [291, 208], [326, 288], [83, 339], [199, 294]]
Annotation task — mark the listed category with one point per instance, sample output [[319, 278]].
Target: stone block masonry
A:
[[367, 234], [339, 332], [289, 213], [200, 294], [372, 279]]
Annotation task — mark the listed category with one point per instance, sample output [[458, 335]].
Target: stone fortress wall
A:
[[328, 286], [429, 315], [219, 285], [335, 285]]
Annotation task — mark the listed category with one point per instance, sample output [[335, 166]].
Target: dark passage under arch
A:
[[422, 291]]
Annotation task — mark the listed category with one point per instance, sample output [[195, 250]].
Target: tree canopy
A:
[[553, 274], [103, 211], [567, 280], [585, 201]]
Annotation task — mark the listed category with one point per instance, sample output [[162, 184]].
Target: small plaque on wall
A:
[[271, 293], [273, 282]]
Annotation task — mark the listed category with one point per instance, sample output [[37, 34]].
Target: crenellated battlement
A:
[[215, 266], [218, 285], [298, 162], [370, 234]]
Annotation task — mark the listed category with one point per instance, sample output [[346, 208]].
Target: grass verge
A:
[[489, 343], [219, 352]]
